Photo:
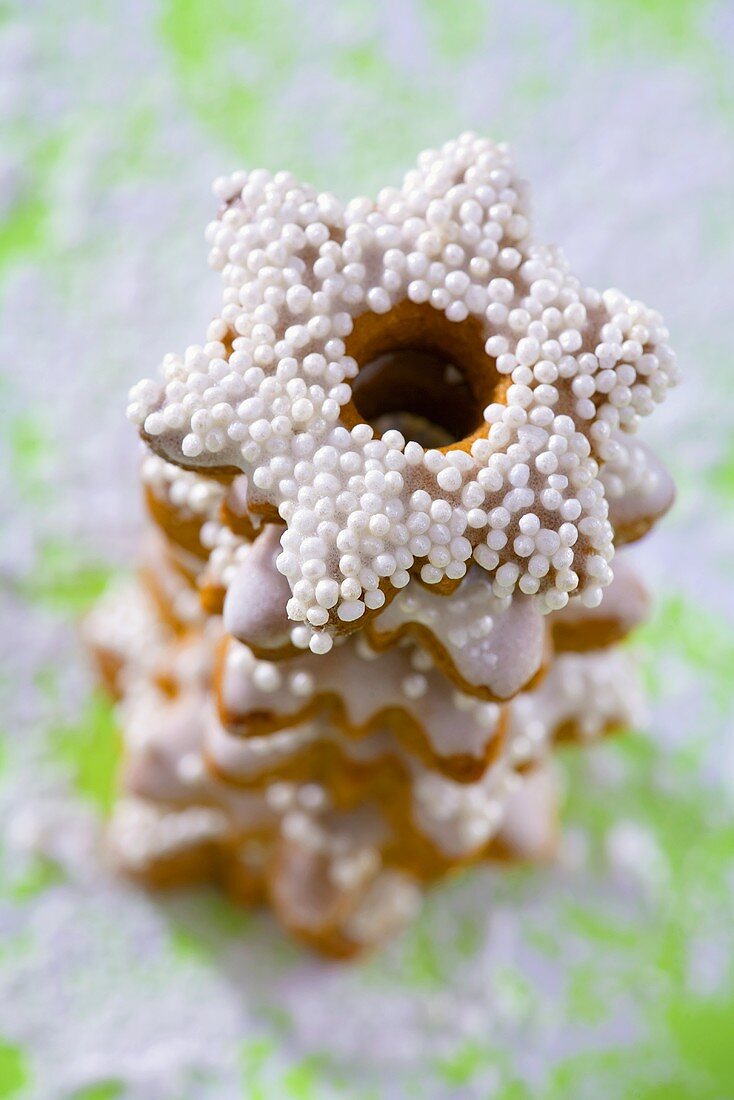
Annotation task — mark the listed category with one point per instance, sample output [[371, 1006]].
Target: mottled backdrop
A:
[[609, 975]]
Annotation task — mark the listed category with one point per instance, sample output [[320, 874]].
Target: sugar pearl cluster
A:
[[185, 490], [353, 853], [269, 392], [461, 817], [123, 625], [593, 690], [141, 831], [631, 468], [227, 552], [184, 601]]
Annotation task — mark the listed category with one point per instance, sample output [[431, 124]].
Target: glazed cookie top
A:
[[337, 322]]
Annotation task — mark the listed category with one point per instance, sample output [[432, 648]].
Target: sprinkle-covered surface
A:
[[608, 974], [555, 368]]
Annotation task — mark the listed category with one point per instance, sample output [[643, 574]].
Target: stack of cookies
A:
[[385, 496]]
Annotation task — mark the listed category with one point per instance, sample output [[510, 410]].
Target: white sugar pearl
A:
[[327, 592], [415, 686], [375, 599], [508, 573], [302, 683], [449, 479], [527, 351], [192, 446], [302, 410], [320, 643], [266, 677], [351, 610]]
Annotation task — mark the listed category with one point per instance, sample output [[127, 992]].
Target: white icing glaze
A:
[[140, 832], [325, 867], [351, 889], [227, 552], [337, 833], [523, 500], [255, 604], [173, 802], [594, 691], [491, 642], [366, 685], [461, 818], [529, 826], [248, 758]]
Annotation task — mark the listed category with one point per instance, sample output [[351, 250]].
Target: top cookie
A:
[[410, 382]]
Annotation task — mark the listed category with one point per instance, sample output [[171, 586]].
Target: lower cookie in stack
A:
[[340, 852]]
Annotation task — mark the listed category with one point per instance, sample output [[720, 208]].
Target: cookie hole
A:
[[420, 373], [420, 393]]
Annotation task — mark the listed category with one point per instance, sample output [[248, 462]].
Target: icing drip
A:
[[495, 643], [254, 607]]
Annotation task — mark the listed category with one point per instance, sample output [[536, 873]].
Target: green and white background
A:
[[608, 975]]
